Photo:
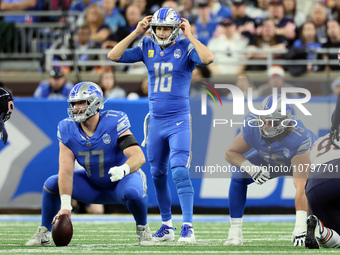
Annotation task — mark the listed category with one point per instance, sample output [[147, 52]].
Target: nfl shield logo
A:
[[177, 53], [286, 152], [106, 139]]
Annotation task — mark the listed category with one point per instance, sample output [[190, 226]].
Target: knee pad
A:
[[52, 184], [181, 177], [131, 193]]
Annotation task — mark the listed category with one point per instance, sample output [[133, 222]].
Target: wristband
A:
[[126, 169], [65, 202]]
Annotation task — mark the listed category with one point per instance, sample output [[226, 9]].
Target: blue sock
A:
[[163, 195], [237, 197], [49, 208], [185, 191], [139, 209]]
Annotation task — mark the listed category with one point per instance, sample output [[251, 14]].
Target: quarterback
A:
[[170, 63]]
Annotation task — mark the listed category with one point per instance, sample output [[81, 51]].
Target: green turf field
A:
[[110, 237]]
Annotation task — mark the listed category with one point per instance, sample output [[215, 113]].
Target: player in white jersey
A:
[[323, 189]]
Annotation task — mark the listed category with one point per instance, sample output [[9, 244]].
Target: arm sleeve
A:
[[123, 124], [61, 135], [193, 55], [132, 55]]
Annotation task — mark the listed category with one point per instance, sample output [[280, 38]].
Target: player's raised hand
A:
[[143, 25], [334, 136], [3, 132], [185, 27], [118, 172]]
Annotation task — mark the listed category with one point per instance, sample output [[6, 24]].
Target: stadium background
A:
[[30, 156]]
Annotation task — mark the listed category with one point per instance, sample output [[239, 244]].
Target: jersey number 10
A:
[[162, 77]]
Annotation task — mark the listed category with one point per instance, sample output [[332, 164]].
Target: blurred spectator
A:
[[187, 10], [142, 91], [122, 5], [82, 5], [170, 4], [276, 76], [82, 42], [108, 84], [204, 24], [21, 5], [132, 16], [266, 40], [305, 48], [141, 4], [239, 16], [306, 6], [94, 19], [225, 47], [335, 86], [285, 26], [319, 18], [258, 12], [56, 87], [113, 18], [335, 10], [291, 12], [218, 11], [200, 74], [243, 82], [55, 5], [333, 33]]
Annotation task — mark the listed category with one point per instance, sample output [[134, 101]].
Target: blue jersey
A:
[[279, 152], [98, 153], [169, 72]]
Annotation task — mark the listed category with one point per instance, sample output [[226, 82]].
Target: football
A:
[[62, 231]]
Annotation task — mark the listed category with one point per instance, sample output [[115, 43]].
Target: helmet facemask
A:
[[275, 123], [90, 93], [165, 17]]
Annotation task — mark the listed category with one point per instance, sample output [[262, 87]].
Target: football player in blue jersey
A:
[[6, 108], [102, 143], [280, 141], [170, 63]]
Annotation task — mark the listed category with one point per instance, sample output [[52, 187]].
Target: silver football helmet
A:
[[165, 17], [277, 122], [89, 92]]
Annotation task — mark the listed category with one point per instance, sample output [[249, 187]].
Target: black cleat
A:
[[312, 226]]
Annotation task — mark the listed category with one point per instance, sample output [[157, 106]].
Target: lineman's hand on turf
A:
[[299, 239]]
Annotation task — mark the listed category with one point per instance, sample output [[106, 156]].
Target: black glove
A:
[[334, 136], [3, 132]]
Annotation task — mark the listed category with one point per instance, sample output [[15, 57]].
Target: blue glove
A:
[[3, 132]]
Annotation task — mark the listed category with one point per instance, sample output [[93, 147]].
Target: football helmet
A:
[[276, 119], [6, 104], [165, 17], [89, 92]]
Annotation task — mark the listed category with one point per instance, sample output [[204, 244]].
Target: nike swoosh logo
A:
[[179, 123]]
